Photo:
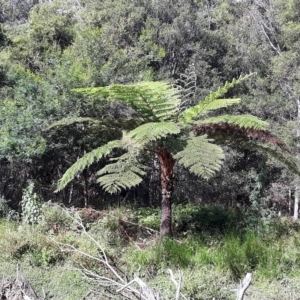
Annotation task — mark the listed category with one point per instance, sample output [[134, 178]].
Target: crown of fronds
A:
[[212, 102], [158, 106], [201, 157], [153, 101]]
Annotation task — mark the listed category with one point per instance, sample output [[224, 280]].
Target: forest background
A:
[[48, 48]]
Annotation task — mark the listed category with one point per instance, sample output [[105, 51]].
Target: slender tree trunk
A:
[[297, 185], [166, 175], [290, 202], [296, 203]]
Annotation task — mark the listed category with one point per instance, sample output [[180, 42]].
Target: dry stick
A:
[[28, 286], [177, 284], [105, 260], [243, 286], [147, 292]]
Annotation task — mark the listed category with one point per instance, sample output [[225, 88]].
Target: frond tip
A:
[[86, 161], [201, 157]]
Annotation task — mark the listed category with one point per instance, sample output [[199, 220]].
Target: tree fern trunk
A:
[[166, 168]]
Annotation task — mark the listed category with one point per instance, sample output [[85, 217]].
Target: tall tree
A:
[[163, 127]]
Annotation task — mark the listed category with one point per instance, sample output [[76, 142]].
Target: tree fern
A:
[[201, 157], [86, 161], [162, 127]]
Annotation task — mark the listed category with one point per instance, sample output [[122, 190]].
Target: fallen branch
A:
[[243, 286]]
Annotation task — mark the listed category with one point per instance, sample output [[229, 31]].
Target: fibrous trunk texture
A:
[[166, 168]]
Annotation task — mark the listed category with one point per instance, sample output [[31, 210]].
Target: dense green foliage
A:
[[48, 49], [63, 65]]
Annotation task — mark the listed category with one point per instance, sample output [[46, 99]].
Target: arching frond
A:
[[230, 133], [244, 121], [72, 120], [151, 132], [203, 107], [154, 101], [212, 102], [249, 138], [86, 161], [201, 156], [125, 172]]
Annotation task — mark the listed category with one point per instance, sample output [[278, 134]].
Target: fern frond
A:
[[71, 121], [244, 121], [126, 172], [154, 101], [211, 102], [186, 84], [105, 122], [151, 132], [86, 161], [226, 133], [251, 139], [201, 156]]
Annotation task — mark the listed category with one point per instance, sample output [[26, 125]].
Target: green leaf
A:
[[126, 172], [201, 157]]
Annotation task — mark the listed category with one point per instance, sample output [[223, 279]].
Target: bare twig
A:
[[177, 284]]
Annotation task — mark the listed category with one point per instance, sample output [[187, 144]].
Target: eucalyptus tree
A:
[[163, 126]]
